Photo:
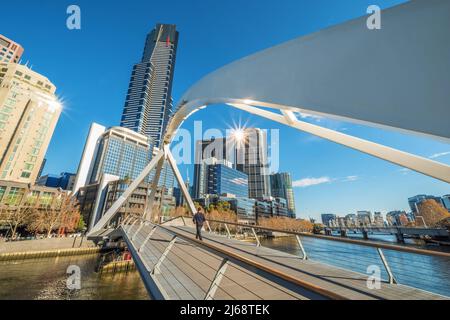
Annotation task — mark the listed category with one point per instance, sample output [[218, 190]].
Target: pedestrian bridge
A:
[[174, 265], [395, 78]]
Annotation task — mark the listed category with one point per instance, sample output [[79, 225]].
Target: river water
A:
[[425, 272], [46, 278]]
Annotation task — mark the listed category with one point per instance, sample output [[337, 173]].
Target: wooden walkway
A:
[[190, 270]]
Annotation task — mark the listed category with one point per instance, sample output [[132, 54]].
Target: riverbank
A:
[[44, 248]]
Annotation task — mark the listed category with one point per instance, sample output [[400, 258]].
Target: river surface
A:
[[46, 278], [425, 272]]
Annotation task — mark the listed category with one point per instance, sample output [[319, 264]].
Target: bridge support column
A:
[[179, 178], [400, 237], [365, 234], [343, 233], [148, 214]]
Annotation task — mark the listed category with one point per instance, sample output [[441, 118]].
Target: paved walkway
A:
[[44, 244]]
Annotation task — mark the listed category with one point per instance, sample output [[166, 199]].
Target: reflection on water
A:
[[46, 279], [428, 273]]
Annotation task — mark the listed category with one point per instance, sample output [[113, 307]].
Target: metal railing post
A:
[[209, 227], [132, 225], [125, 220], [392, 279], [147, 238], [304, 256], [137, 231], [228, 231], [156, 269], [217, 279], [258, 244]]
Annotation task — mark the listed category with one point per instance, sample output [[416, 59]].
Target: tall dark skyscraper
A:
[[251, 158], [149, 105]]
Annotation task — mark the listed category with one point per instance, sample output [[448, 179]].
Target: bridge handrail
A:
[[344, 240]]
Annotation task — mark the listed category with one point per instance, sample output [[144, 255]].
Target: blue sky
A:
[[91, 69]]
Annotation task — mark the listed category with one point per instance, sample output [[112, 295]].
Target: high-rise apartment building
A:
[[251, 158], [149, 105], [328, 219], [10, 51], [364, 218], [281, 187], [29, 111]]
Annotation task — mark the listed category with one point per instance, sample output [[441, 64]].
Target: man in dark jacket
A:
[[199, 219]]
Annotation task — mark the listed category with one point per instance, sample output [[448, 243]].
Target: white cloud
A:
[[311, 116], [307, 182], [404, 170], [437, 155], [350, 178]]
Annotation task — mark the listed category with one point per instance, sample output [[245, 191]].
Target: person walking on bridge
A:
[[199, 219]]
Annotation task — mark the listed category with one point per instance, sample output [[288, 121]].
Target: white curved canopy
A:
[[397, 77]]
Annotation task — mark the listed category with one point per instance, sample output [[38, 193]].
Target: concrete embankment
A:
[[44, 248]]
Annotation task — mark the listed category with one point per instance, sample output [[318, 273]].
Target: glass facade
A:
[[120, 156], [281, 187], [244, 207], [224, 180]]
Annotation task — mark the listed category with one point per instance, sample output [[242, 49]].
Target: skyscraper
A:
[[251, 158], [121, 152], [204, 150], [29, 111], [149, 105], [10, 51], [281, 187]]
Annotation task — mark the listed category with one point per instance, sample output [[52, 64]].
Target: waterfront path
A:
[[189, 269], [44, 244]]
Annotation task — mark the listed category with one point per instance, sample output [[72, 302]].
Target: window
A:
[[25, 174], [2, 192], [15, 196]]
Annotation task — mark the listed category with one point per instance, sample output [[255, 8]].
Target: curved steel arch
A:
[[397, 77]]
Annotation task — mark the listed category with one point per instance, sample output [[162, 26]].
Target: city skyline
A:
[[358, 180]]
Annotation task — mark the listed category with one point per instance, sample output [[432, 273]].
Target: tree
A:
[[432, 213], [81, 224], [15, 217], [61, 213]]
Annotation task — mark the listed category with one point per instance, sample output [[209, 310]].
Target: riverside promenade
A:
[[49, 247]]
